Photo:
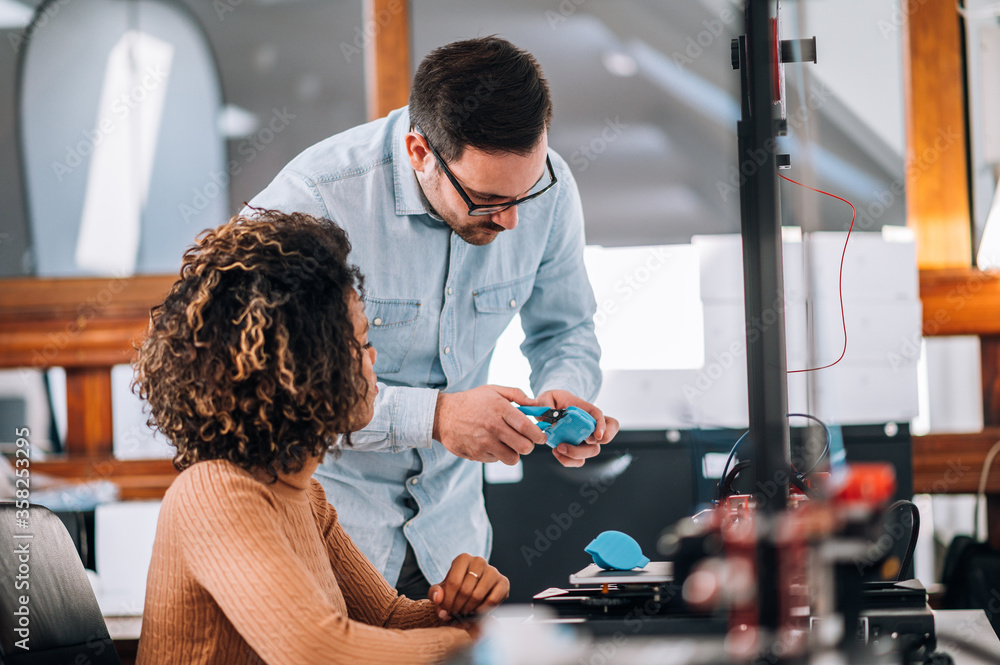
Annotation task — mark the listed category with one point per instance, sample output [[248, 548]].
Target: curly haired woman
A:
[[254, 365]]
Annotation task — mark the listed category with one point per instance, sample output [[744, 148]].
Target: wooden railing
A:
[[86, 326], [963, 301]]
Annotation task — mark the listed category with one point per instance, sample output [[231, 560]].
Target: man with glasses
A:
[[460, 217]]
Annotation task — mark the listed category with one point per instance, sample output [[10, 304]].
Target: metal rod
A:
[[764, 293]]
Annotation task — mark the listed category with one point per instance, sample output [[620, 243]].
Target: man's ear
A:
[[420, 155]]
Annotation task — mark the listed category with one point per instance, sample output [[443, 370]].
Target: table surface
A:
[[123, 628], [955, 630]]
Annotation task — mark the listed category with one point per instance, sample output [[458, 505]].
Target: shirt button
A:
[[413, 481], [513, 302], [377, 321], [449, 290], [447, 350]]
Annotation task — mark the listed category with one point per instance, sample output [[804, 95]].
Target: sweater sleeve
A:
[[368, 595], [230, 546]]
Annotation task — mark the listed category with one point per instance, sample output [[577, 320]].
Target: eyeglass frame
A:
[[500, 207]]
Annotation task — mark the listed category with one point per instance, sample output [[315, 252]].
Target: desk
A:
[[124, 631], [954, 629]]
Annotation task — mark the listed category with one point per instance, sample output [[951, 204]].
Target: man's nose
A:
[[506, 218]]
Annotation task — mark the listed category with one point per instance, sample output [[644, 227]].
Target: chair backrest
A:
[[890, 555], [49, 612]]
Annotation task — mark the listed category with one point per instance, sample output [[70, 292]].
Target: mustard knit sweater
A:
[[249, 572]]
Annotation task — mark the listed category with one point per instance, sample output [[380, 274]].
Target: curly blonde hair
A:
[[252, 357]]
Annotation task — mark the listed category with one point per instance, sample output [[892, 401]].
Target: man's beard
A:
[[474, 235]]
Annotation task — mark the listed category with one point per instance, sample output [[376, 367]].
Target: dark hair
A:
[[252, 357], [484, 93]]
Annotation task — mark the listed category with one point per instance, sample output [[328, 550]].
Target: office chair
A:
[[64, 621]]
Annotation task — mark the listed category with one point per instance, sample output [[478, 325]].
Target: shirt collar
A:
[[409, 199]]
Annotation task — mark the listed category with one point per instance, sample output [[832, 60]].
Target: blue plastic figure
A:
[[614, 550], [571, 425]]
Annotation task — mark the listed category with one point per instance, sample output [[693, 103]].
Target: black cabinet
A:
[[640, 484]]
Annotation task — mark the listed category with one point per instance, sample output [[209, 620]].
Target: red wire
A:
[[840, 285]]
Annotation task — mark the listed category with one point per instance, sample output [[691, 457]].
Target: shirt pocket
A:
[[496, 305], [393, 324]]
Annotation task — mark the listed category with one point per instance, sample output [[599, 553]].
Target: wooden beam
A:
[[86, 326], [937, 200], [89, 429], [963, 302], [950, 463], [90, 297], [82, 343], [137, 479], [75, 322], [387, 56], [960, 301], [989, 352]]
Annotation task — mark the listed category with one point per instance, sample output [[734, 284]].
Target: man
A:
[[460, 217]]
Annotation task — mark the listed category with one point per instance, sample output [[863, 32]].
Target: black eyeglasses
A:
[[477, 210]]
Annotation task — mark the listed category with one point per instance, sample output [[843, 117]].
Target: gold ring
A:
[[473, 574]]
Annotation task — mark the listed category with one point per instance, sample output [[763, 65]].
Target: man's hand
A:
[[605, 430], [482, 425], [471, 586]]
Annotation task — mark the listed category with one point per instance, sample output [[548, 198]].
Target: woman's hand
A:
[[471, 586]]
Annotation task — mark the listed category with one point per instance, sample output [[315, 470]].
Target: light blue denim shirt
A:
[[436, 306]]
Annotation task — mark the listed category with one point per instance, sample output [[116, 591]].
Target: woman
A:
[[253, 366]]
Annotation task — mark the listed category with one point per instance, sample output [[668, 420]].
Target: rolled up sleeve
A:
[[404, 418]]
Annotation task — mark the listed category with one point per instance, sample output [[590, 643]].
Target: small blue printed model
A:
[[614, 550], [571, 425]]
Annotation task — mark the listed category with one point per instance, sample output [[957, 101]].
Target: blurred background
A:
[[645, 107], [128, 126]]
